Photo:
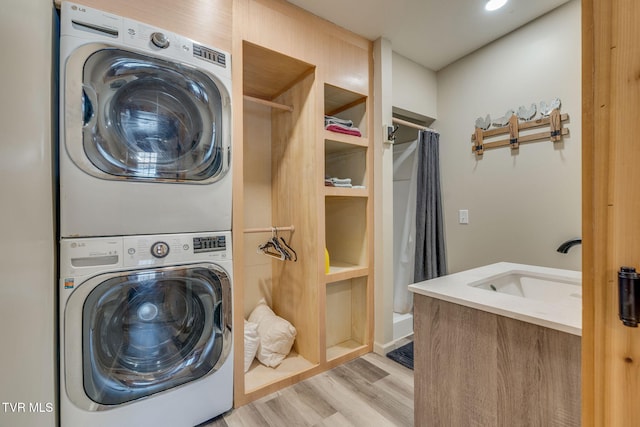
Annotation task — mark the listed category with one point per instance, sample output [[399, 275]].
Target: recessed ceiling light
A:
[[495, 4]]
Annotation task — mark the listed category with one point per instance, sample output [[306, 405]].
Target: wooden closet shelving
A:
[[347, 283], [278, 125], [281, 159]]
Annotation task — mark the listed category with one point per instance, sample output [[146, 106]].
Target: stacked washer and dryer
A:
[[145, 225]]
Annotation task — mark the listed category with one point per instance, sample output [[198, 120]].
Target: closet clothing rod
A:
[[270, 229], [268, 103]]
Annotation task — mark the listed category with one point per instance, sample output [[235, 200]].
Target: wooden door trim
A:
[[610, 375], [596, 65]]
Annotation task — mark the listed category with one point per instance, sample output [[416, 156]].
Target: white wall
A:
[[414, 87], [397, 81], [27, 246], [521, 206], [383, 196]]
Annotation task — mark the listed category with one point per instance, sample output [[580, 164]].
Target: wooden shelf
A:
[[268, 103], [345, 192], [259, 376], [337, 100], [267, 74], [343, 271], [360, 141], [346, 317], [343, 349]]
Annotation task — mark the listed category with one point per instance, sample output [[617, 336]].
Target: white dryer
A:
[[145, 330], [145, 129]]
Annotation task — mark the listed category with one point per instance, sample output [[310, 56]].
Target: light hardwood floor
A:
[[372, 390]]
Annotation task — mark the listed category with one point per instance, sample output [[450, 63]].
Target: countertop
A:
[[563, 314]]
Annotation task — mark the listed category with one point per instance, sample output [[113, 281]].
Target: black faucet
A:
[[564, 248]]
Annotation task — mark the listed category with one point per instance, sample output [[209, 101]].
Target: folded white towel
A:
[[337, 181]]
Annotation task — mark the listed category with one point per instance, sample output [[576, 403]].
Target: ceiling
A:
[[433, 33]]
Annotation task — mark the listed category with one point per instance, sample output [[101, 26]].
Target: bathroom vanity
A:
[[498, 345]]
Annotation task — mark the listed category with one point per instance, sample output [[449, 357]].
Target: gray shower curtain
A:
[[430, 258]]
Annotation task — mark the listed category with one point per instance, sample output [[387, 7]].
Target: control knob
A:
[[160, 249], [160, 40]]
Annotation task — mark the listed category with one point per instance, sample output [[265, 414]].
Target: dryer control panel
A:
[[209, 244], [96, 25]]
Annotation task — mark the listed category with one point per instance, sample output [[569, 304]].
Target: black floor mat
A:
[[403, 355]]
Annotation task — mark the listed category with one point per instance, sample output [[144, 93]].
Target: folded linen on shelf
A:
[[343, 129], [338, 182], [337, 120]]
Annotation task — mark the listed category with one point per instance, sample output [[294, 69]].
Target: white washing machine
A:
[[145, 131], [145, 330]]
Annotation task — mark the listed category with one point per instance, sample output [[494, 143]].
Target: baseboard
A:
[[383, 349], [402, 325]]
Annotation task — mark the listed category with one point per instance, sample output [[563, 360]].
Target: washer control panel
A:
[[83, 256], [165, 249]]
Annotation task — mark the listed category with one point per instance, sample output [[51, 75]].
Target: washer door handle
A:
[[218, 318]]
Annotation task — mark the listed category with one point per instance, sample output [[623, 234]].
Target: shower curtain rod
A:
[[410, 124]]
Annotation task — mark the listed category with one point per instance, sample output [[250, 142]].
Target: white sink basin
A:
[[534, 286]]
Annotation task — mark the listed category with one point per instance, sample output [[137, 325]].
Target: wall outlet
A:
[[463, 216]]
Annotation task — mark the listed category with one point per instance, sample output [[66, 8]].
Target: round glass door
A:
[[152, 330], [149, 119]]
